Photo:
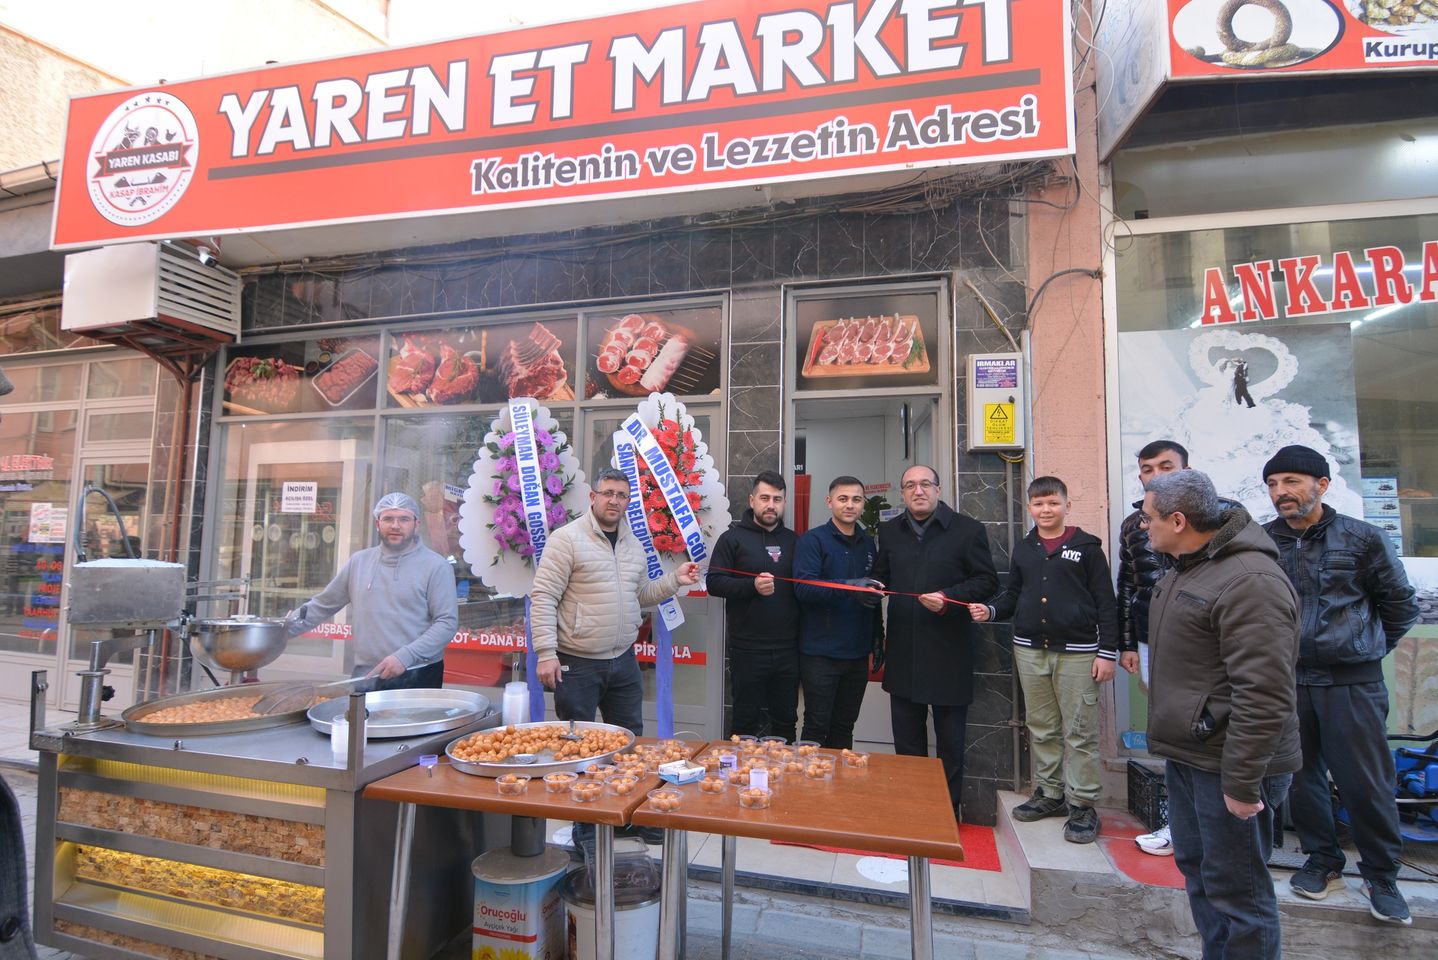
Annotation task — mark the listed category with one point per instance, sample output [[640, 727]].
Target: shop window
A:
[[114, 427], [1322, 333], [304, 376], [50, 383], [36, 329], [36, 466], [483, 364], [294, 505], [633, 354], [122, 377]]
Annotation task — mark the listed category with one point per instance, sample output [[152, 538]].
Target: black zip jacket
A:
[[1139, 568], [1061, 601], [756, 622], [1355, 597]]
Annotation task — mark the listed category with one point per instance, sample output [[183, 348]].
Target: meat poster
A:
[[858, 342], [483, 364], [307, 376], [638, 352]]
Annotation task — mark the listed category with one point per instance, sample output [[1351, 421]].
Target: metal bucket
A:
[[516, 905], [239, 643]]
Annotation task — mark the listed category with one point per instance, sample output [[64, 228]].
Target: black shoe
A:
[[654, 836], [1082, 826], [1039, 806], [1386, 903], [1315, 881]]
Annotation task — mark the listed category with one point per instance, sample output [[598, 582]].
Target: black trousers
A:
[[765, 686], [910, 721], [1344, 732], [833, 693]]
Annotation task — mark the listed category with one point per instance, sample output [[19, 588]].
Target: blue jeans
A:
[[612, 687], [1224, 861]]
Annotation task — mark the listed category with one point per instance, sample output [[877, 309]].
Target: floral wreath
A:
[[492, 529], [684, 447]]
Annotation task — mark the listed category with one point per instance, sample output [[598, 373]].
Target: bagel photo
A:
[[1257, 34]]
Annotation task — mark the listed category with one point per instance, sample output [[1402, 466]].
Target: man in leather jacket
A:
[[1139, 566], [1356, 604]]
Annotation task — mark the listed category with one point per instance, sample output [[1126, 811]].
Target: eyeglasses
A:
[[908, 485], [612, 494], [403, 521], [1145, 520]]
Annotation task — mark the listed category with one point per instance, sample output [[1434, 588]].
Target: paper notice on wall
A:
[[48, 523], [301, 496]]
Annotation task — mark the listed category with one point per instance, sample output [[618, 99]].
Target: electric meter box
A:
[[996, 394]]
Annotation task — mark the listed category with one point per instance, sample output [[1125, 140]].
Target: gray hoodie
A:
[[400, 603]]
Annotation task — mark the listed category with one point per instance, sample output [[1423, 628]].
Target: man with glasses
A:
[[935, 561], [586, 607], [1223, 628], [404, 609]]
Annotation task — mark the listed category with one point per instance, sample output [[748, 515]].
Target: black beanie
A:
[[1297, 459]]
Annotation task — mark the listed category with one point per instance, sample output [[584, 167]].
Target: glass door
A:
[[105, 534]]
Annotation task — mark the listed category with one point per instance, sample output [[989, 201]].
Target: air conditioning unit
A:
[[148, 292]]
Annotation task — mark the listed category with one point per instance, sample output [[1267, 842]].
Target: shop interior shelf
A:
[[230, 794], [185, 926]]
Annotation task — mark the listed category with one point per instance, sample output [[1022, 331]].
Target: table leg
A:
[[399, 879], [728, 851], [672, 877], [603, 891], [921, 924]]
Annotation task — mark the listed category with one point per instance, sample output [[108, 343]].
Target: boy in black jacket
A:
[[760, 613], [1065, 642]]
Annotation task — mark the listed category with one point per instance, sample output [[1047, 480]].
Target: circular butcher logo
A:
[[143, 158]]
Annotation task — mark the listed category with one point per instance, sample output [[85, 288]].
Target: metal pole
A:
[[399, 879], [728, 851], [603, 891], [671, 894], [682, 836], [921, 928]]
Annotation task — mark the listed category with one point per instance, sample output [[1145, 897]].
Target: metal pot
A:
[[239, 643]]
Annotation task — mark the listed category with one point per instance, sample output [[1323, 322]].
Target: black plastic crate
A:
[[1147, 794]]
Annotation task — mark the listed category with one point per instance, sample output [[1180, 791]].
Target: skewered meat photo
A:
[[866, 346], [640, 353]]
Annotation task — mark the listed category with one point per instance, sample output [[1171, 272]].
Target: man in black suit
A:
[[943, 557]]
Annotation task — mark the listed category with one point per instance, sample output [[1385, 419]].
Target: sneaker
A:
[[1386, 903], [1159, 843], [1315, 882], [1082, 826], [1039, 806]]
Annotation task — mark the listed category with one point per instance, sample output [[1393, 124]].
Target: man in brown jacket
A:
[[1223, 636]]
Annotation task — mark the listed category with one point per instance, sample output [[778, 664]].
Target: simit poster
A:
[[1233, 397]]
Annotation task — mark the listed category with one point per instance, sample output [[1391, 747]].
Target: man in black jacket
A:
[[760, 613], [941, 557], [1356, 605]]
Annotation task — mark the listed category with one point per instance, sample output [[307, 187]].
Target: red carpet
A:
[[1116, 838], [980, 851]]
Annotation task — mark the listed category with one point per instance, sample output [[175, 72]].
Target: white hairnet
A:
[[396, 501]]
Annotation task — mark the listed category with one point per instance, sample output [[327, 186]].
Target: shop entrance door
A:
[[874, 439], [298, 502], [104, 535]]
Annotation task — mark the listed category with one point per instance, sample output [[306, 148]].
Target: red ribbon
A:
[[830, 584]]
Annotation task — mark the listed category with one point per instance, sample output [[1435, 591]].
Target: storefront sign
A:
[[299, 496], [1217, 38], [675, 98], [1000, 373], [20, 472], [1374, 278]]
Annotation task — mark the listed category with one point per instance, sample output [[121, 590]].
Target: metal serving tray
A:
[[134, 717], [405, 713], [541, 765]]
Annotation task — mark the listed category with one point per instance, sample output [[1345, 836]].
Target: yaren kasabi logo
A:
[[143, 158]]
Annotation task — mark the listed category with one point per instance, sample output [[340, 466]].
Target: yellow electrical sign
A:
[[999, 426]]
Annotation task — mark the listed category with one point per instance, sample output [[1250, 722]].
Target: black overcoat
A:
[[930, 656]]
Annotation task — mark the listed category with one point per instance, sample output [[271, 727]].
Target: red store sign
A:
[[677, 98]]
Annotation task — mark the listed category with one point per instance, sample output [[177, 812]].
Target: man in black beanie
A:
[[1356, 605]]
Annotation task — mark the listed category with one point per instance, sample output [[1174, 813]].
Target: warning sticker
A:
[[999, 424]]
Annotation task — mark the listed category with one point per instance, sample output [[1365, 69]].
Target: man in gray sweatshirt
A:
[[404, 609]]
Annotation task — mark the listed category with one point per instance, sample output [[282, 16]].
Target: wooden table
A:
[[896, 805], [447, 787]]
